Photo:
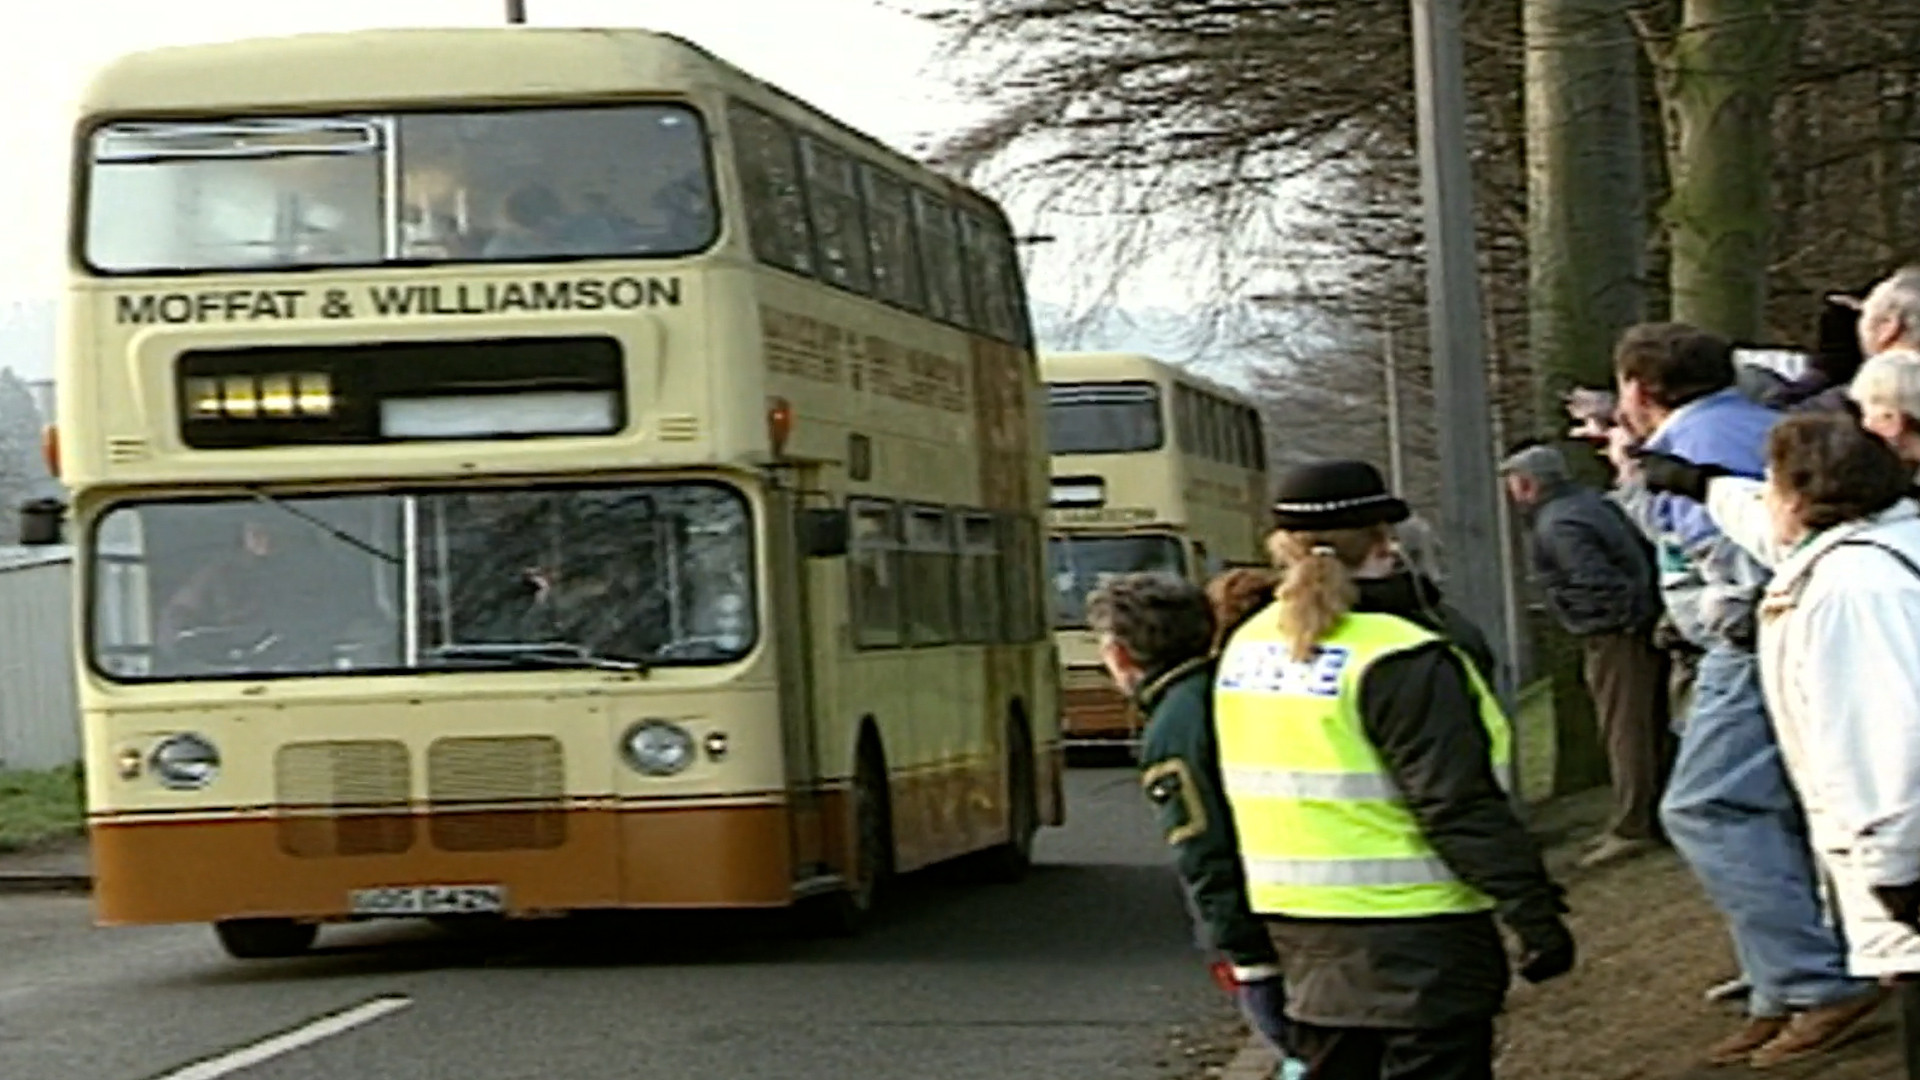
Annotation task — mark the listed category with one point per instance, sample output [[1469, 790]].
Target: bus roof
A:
[[1117, 366], [417, 68]]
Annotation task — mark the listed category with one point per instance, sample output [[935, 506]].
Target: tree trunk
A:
[[1587, 230], [1719, 79]]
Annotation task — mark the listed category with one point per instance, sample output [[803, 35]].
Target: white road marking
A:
[[306, 1034]]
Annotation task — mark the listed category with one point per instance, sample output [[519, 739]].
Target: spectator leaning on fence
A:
[[1890, 315], [1729, 807], [1887, 390], [1597, 573], [1840, 660]]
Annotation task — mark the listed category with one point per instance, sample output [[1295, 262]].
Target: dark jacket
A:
[[1417, 596], [1816, 391], [1423, 720], [1180, 772], [1597, 569]]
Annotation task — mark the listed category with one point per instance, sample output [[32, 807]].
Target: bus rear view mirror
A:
[[41, 521], [823, 533]]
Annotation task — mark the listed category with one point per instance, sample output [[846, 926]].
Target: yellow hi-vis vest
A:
[[1324, 833]]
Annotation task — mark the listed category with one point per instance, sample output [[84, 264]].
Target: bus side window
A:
[[987, 283], [776, 211], [873, 575], [896, 261], [1022, 620], [929, 577], [979, 581], [940, 256], [839, 230], [1186, 422], [1016, 291]]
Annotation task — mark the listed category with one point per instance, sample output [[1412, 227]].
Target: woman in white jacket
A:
[[1840, 665]]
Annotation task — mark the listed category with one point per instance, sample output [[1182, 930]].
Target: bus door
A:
[[796, 584]]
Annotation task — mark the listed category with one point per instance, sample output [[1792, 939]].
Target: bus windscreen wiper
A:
[[532, 654]]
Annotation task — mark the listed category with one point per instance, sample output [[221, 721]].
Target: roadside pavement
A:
[[63, 866]]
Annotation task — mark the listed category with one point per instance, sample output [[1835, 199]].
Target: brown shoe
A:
[[1816, 1030], [1739, 1046]]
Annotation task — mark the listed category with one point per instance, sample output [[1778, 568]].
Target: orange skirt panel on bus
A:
[[548, 860], [1090, 712]]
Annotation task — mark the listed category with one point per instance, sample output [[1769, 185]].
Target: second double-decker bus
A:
[[1154, 469], [525, 471]]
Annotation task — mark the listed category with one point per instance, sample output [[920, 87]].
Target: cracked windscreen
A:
[[628, 576]]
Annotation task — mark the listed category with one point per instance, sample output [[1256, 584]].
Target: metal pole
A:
[[1396, 444], [1470, 500], [516, 12]]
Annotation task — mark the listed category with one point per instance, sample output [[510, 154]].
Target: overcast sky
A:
[[870, 66]]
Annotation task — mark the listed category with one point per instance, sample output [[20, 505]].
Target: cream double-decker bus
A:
[[524, 471], [1154, 469]]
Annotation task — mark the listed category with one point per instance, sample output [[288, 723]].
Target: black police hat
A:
[[1329, 495]]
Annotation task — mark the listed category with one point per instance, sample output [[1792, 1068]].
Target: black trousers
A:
[[1908, 994], [1460, 1052]]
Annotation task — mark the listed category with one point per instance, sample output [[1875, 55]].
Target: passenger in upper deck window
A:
[[600, 229], [535, 222]]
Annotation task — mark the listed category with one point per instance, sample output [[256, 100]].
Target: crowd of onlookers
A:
[[1328, 762]]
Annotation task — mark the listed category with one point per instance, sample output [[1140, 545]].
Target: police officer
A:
[[1156, 636], [1362, 760]]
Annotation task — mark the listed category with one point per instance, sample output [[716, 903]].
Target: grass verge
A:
[[37, 808], [1533, 730]]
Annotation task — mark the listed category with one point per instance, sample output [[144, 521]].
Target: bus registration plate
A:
[[429, 900]]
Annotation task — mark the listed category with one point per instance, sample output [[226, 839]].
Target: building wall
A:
[[39, 708]]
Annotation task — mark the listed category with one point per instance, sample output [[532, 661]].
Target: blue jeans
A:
[[1731, 812]]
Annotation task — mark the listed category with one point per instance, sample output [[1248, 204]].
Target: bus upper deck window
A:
[[625, 181]]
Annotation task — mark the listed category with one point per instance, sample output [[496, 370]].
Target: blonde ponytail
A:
[[1318, 588]]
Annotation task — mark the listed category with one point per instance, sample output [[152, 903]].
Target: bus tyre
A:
[[1010, 861], [848, 911], [265, 939]]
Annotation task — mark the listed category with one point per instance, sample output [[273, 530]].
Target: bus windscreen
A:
[[626, 181], [1103, 418], [646, 574], [1082, 563]]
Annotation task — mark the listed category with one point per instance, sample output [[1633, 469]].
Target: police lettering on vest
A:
[[1323, 830]]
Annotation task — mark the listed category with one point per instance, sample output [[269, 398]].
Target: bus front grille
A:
[[343, 798], [496, 794]]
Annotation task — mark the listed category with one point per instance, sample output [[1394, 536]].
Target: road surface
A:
[[1081, 972]]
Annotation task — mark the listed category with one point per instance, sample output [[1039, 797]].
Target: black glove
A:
[[1676, 475], [1902, 902], [1547, 952], [1546, 945]]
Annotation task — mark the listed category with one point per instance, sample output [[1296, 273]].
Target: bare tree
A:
[[1182, 120]]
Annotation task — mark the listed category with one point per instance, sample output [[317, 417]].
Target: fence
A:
[[39, 710]]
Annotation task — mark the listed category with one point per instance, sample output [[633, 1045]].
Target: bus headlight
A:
[[185, 762], [658, 747]]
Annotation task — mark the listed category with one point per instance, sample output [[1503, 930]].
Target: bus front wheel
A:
[[265, 939], [1010, 861], [848, 911]]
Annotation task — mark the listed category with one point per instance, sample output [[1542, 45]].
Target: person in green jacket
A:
[[1157, 634]]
